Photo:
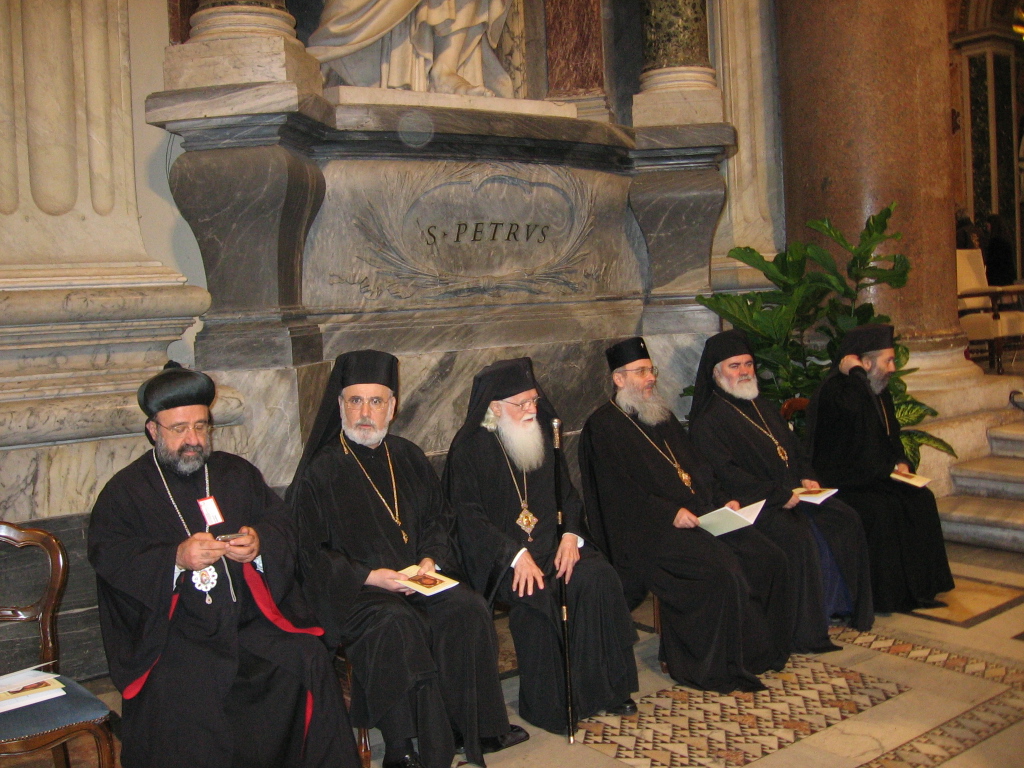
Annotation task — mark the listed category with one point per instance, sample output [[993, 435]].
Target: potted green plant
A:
[[795, 329]]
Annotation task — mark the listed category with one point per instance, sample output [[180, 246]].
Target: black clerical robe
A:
[[724, 604], [483, 494], [440, 650], [242, 680], [856, 445], [828, 556]]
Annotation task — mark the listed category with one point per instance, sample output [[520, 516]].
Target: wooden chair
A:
[[362, 734], [48, 725]]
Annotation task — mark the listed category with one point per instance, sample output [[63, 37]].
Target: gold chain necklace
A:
[[765, 429], [394, 485], [526, 520], [670, 457], [885, 416]]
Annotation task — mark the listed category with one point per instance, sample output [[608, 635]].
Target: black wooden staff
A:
[[556, 428]]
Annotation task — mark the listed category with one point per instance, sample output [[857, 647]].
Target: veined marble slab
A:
[[350, 94]]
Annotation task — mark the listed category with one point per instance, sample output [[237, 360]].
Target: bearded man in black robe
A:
[[369, 504], [855, 446], [723, 599], [208, 641], [756, 456], [500, 478]]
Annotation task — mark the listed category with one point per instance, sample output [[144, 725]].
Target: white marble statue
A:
[[444, 46]]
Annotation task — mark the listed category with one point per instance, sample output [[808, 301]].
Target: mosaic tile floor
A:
[[681, 727]]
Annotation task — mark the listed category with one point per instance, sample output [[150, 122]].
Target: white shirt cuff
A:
[[516, 558], [579, 539], [258, 563], [177, 572]]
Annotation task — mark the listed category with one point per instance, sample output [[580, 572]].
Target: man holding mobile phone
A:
[[207, 637]]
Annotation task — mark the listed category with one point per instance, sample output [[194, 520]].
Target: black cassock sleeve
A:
[[135, 569], [435, 523], [718, 447], [487, 551], [330, 580]]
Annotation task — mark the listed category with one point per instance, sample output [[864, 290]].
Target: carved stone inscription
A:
[[459, 232], [409, 234]]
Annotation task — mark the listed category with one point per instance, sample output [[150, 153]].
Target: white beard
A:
[[370, 438], [743, 390], [523, 442], [651, 410]]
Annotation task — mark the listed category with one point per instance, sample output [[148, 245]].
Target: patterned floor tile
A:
[[684, 727]]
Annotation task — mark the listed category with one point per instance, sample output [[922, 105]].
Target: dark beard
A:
[[180, 462]]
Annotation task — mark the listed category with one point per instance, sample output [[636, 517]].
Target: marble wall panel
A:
[[402, 234], [676, 356], [269, 436]]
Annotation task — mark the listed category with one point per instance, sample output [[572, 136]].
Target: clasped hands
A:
[[385, 578], [201, 549]]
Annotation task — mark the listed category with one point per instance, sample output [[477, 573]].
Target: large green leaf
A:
[[920, 437], [752, 258], [911, 413]]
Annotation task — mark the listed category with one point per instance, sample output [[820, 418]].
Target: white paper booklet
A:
[[428, 583], [815, 497], [723, 520], [918, 481], [28, 686]]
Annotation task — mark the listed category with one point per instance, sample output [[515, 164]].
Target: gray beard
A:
[[650, 410], [877, 380], [369, 439], [743, 390], [180, 464], [523, 442]]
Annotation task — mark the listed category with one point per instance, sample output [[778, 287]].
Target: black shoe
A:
[[412, 760], [516, 735], [628, 707], [931, 604]]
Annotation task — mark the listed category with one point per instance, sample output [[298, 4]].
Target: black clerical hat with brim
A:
[[721, 346], [368, 366], [866, 338], [626, 352], [175, 387]]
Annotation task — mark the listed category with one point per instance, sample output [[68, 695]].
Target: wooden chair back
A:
[[43, 610]]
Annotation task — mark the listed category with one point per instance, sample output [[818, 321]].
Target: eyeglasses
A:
[[647, 369], [200, 428], [356, 403], [525, 403]]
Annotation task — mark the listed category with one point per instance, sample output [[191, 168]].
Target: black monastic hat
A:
[[626, 352], [499, 381], [866, 338], [364, 366], [719, 347], [175, 387]]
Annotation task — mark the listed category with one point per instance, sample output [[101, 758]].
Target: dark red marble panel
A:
[[178, 14], [575, 47]]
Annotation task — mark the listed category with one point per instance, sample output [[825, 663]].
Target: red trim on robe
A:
[[309, 717], [265, 602], [135, 686]]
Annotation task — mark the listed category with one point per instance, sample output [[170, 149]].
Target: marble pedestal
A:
[[450, 237]]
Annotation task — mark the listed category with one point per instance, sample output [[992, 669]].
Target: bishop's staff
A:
[[556, 428]]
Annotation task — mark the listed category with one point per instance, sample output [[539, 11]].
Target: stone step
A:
[[990, 476], [1007, 440], [986, 522]]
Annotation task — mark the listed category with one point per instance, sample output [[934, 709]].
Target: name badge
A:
[[210, 510]]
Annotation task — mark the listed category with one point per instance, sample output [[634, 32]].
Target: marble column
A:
[[678, 84], [754, 215], [576, 61], [87, 314], [866, 117], [865, 110]]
